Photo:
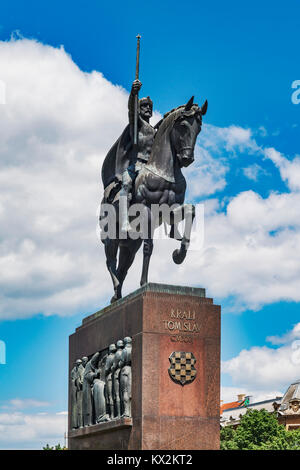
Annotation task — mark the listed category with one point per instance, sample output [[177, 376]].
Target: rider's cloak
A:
[[118, 158]]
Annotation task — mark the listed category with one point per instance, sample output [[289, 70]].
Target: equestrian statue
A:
[[143, 170]]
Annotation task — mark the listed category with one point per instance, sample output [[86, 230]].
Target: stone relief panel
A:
[[100, 385]]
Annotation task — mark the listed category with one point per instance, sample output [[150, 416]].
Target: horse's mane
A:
[[162, 144], [174, 114]]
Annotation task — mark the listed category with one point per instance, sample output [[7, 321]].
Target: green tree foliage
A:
[[259, 430], [47, 447], [57, 447]]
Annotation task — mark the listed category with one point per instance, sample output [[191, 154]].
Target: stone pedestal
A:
[[166, 414]]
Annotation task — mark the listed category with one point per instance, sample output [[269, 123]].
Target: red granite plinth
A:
[[161, 319]]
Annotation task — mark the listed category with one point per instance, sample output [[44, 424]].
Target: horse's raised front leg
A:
[[185, 212]]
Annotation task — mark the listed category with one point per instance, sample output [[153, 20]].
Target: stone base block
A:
[[175, 334]]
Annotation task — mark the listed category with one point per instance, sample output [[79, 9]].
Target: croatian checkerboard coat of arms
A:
[[182, 369]]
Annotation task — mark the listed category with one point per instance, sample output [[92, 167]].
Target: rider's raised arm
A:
[[134, 91], [131, 109]]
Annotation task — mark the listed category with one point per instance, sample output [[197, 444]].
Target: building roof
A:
[[292, 393], [232, 415], [230, 406]]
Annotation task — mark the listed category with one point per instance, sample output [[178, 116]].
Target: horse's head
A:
[[186, 127]]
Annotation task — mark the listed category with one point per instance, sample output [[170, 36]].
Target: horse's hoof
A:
[[114, 298], [179, 255], [117, 295]]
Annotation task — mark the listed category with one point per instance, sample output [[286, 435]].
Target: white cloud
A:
[[237, 136], [230, 394], [251, 252], [289, 169], [230, 138], [19, 403], [266, 368], [262, 131], [254, 171], [206, 176], [216, 146], [57, 126], [31, 431], [292, 335]]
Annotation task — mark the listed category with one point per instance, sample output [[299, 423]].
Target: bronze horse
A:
[[160, 182]]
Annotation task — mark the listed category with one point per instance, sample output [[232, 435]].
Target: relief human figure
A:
[[79, 386], [116, 378], [109, 379], [90, 373], [75, 405], [84, 361], [99, 393], [126, 377]]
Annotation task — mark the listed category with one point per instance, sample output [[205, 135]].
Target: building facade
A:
[[287, 408]]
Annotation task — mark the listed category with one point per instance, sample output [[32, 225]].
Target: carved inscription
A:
[[181, 339], [181, 321]]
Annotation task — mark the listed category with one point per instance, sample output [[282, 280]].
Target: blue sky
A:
[[243, 58]]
